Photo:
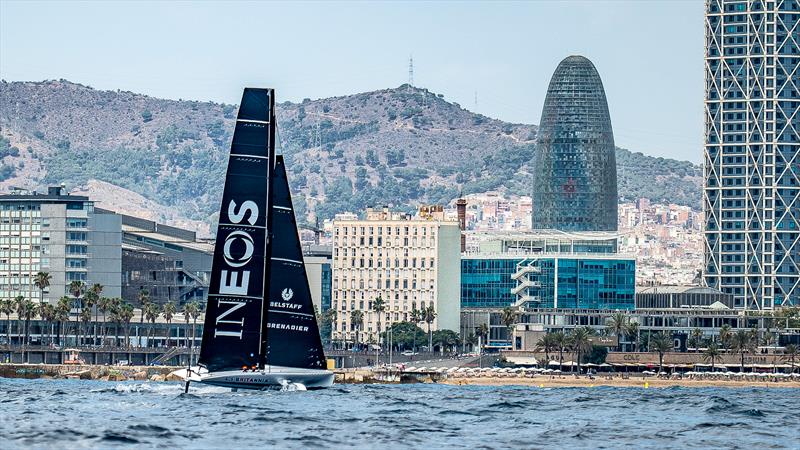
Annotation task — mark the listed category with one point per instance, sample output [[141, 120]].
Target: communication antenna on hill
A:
[[410, 72], [317, 136], [476, 98]]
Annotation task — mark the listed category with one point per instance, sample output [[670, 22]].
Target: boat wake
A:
[[292, 387]]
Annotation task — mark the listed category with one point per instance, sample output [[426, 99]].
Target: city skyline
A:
[[172, 58]]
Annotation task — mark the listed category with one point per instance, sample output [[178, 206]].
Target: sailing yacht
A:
[[260, 329]]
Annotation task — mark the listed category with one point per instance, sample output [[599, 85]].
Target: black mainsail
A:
[[290, 326], [232, 330], [259, 312]]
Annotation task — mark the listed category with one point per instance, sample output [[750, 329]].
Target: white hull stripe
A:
[[265, 122], [282, 207], [287, 260]]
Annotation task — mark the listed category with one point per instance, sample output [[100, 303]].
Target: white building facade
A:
[[410, 263]]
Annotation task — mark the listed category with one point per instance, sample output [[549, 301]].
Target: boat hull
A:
[[271, 377]]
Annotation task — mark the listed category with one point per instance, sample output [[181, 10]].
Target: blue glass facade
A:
[[586, 283], [580, 283], [325, 299], [487, 283]]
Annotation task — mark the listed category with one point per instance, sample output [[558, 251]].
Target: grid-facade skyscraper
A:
[[751, 161], [575, 169]]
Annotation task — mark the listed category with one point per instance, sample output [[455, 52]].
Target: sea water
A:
[[94, 414]]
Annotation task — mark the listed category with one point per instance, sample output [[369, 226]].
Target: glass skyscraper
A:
[[575, 173], [751, 160]]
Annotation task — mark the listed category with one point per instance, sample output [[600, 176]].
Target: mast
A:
[[232, 329]]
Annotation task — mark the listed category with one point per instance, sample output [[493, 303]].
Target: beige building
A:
[[409, 262]]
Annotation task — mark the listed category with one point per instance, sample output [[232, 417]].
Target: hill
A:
[[395, 147]]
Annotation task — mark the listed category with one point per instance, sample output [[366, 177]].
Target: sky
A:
[[502, 54]]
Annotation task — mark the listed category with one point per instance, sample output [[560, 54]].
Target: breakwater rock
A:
[[85, 372]]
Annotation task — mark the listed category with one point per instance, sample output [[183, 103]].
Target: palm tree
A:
[[632, 331], [152, 311], [695, 339], [93, 296], [743, 342], [581, 343], [561, 342], [428, 316], [188, 310], [46, 312], [76, 288], [356, 322], [144, 299], [196, 311], [725, 336], [19, 305], [712, 353], [617, 324], [26, 310], [546, 344], [85, 317], [7, 307], [62, 315], [169, 313], [379, 306], [509, 317], [790, 353], [104, 306], [126, 315], [42, 281], [660, 343], [328, 319]]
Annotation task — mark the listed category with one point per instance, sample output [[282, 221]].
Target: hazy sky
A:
[[649, 54]]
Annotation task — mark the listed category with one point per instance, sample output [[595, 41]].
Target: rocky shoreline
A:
[[87, 372]]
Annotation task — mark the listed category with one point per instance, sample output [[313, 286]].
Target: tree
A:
[[125, 316], [790, 353], [169, 313], [104, 305], [7, 307], [561, 342], [76, 288], [356, 322], [712, 353], [379, 306], [62, 315], [632, 331], [742, 342], [92, 301], [545, 344], [696, 339], [25, 311], [428, 316], [189, 311], [581, 343], [660, 343], [144, 299], [85, 318], [725, 336], [328, 319], [42, 281], [509, 317], [446, 340], [618, 324], [151, 312], [46, 312], [415, 317]]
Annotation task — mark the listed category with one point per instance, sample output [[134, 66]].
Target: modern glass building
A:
[[487, 282], [561, 281], [751, 160], [575, 171]]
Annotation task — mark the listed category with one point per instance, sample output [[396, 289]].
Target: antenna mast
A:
[[410, 72]]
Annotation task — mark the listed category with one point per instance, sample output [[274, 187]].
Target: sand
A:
[[639, 382]]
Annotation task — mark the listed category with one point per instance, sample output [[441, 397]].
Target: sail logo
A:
[[287, 294], [234, 280]]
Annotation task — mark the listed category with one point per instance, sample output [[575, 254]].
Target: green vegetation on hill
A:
[[397, 147]]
